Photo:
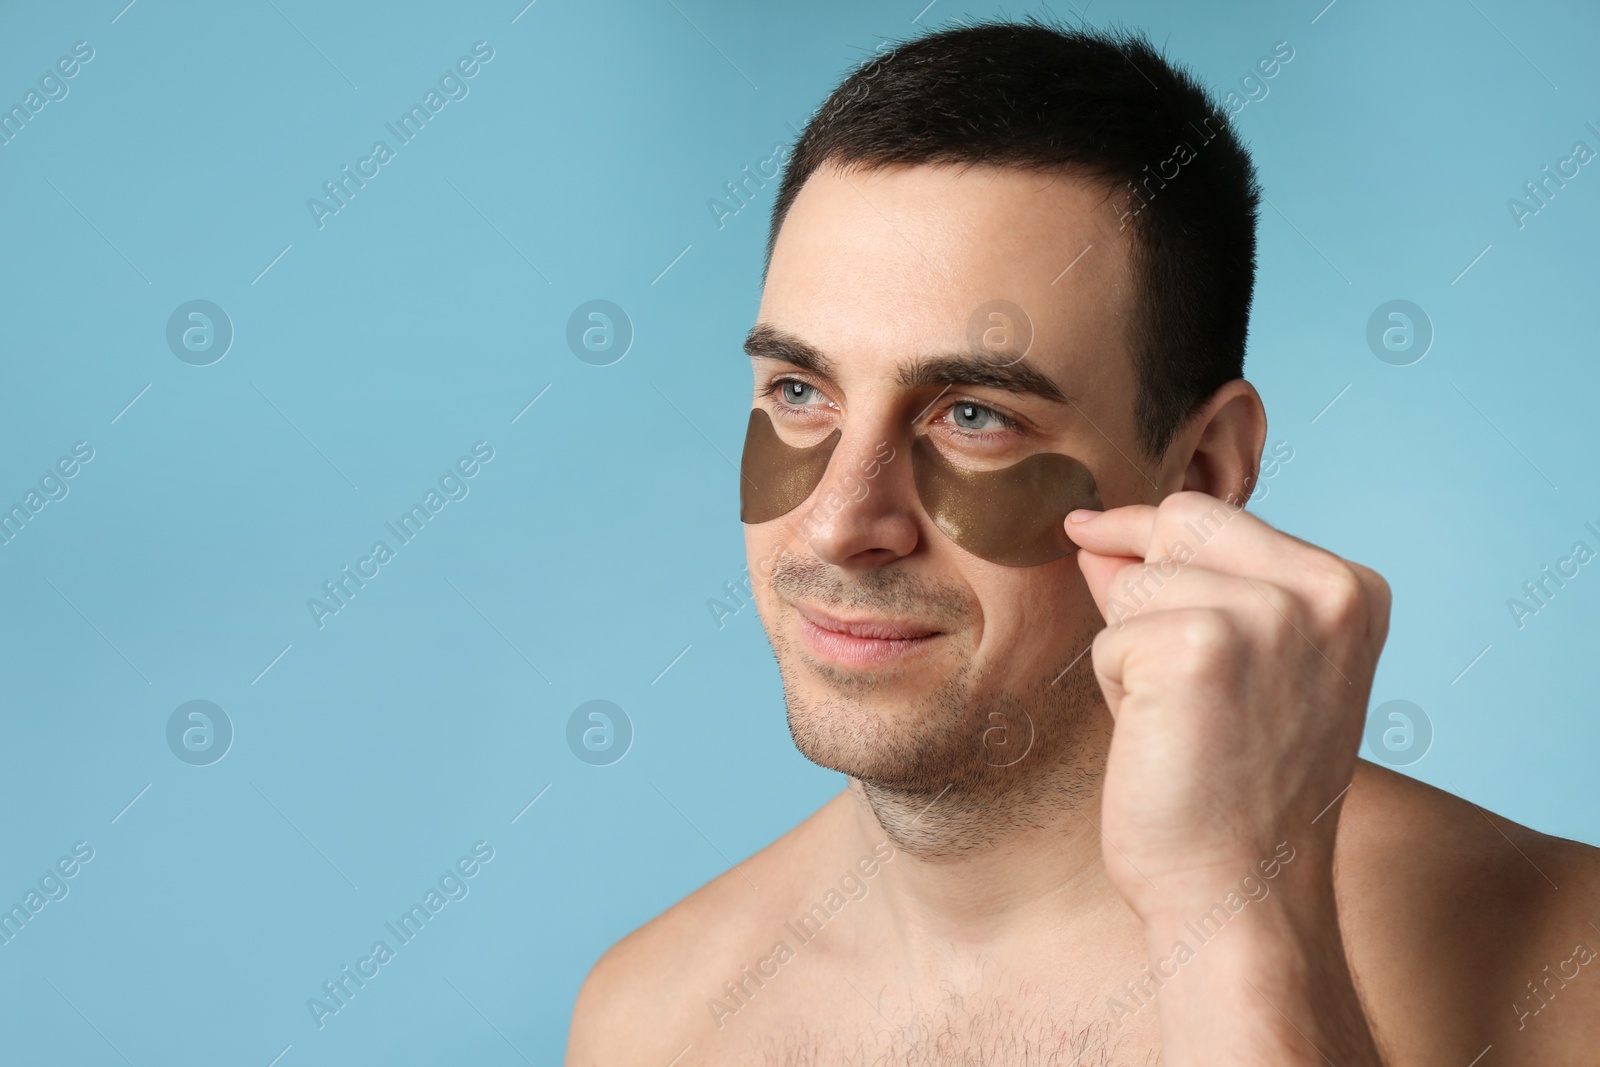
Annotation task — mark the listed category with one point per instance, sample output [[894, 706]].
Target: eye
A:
[[796, 393], [975, 418]]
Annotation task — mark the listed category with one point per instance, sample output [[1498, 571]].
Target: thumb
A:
[[1098, 572]]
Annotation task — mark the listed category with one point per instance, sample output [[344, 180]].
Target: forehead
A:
[[893, 261]]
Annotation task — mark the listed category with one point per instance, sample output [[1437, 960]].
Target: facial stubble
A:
[[950, 759]]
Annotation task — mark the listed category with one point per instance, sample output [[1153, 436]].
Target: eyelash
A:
[[1006, 423]]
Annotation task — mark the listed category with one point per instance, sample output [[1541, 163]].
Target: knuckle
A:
[[1202, 636], [1182, 505], [1286, 607], [1190, 515], [1376, 586], [1340, 590], [1379, 598]]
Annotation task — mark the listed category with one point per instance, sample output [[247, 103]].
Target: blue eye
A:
[[977, 417], [797, 393]]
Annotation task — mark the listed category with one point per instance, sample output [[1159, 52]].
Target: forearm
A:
[[1269, 985]]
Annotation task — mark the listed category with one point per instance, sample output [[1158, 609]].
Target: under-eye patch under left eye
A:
[[1015, 516]]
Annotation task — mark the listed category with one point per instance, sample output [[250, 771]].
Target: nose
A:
[[865, 511]]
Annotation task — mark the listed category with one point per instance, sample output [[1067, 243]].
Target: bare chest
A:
[[844, 1023]]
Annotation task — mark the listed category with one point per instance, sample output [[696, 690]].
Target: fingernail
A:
[[1082, 515]]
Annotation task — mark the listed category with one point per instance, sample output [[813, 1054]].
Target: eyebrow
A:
[[975, 368]]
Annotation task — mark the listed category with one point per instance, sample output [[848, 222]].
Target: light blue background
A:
[[429, 312]]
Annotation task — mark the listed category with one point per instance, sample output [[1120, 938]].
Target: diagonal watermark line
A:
[[529, 804], [130, 804], [1513, 44], [1503, 437], [1469, 666], [1513, 844], [86, 1019], [95, 628], [1480, 1056], [931, 803], [1474, 263], [713, 44], [918, 420], [530, 404], [523, 12], [1330, 403], [124, 11], [274, 263], [924, 11], [868, 1001], [1074, 663], [130, 404], [492, 1026], [497, 229], [497, 630], [304, 838], [1308, 241], [701, 832], [1324, 11], [669, 666], [1112, 443], [96, 229], [1074, 262], [304, 438], [674, 263], [1331, 803], [280, 1055], [314, 48], [679, 1056], [271, 665]]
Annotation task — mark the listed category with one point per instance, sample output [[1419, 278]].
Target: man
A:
[[1104, 808]]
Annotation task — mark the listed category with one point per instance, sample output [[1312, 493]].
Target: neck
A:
[[979, 859]]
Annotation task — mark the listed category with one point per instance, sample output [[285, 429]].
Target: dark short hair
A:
[[1105, 104]]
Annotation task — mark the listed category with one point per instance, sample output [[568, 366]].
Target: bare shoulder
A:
[[1466, 930], [643, 1001]]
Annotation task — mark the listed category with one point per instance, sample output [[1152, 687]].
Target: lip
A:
[[866, 641]]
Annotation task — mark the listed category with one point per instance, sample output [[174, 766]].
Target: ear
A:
[[1218, 450]]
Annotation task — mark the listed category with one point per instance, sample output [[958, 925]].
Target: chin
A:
[[935, 728]]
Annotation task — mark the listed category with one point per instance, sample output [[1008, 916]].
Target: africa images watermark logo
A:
[[339, 991], [452, 86]]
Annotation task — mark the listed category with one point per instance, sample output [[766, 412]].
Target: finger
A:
[[1100, 573], [1191, 526], [1150, 587], [1124, 531], [1155, 648]]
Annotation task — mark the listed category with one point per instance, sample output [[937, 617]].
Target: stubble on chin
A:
[[949, 755], [961, 765]]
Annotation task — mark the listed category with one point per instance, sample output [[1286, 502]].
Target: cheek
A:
[[1032, 615], [762, 544]]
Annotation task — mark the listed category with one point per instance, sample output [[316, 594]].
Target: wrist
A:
[[1255, 972], [1289, 874]]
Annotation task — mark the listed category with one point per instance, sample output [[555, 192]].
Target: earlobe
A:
[[1223, 442]]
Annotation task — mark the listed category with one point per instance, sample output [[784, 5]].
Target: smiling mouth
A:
[[865, 641]]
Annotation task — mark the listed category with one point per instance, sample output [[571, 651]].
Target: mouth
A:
[[863, 642]]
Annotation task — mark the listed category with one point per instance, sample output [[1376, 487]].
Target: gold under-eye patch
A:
[[1014, 516], [775, 478]]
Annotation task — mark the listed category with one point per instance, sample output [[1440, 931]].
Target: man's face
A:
[[908, 662]]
